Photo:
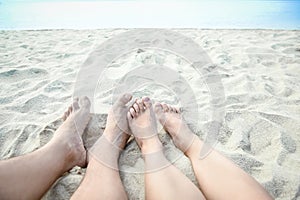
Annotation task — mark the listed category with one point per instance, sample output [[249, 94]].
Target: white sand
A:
[[260, 71]]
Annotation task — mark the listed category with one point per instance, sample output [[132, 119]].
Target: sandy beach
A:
[[259, 69]]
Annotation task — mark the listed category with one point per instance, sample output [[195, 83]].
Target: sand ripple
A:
[[260, 72]]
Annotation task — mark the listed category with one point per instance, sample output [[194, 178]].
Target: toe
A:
[[158, 108], [147, 102], [84, 102], [180, 110], [172, 109], [132, 112], [75, 105], [136, 107], [160, 113], [140, 104], [123, 99], [165, 107], [70, 109], [65, 115], [129, 116]]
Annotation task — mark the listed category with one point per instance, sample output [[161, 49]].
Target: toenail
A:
[[147, 99], [127, 96], [158, 105], [85, 98]]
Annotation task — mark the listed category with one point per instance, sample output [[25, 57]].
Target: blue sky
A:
[[76, 14]]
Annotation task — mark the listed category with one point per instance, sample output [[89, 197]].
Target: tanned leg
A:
[[102, 179], [30, 176]]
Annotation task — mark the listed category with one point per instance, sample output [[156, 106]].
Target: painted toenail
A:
[[147, 99]]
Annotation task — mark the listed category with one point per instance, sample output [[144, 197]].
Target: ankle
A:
[[194, 150], [150, 145], [106, 152], [63, 154]]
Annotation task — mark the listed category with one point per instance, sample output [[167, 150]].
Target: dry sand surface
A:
[[260, 71]]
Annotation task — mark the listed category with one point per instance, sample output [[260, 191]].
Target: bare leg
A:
[[31, 175], [162, 179], [218, 177], [102, 179]]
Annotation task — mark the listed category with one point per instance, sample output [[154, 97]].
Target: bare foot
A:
[[117, 130], [142, 122], [68, 135], [108, 147], [171, 120]]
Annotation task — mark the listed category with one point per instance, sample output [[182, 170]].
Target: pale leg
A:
[[162, 179], [218, 177]]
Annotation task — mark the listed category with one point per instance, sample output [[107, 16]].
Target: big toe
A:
[[75, 104], [123, 99], [85, 102], [147, 102], [158, 109]]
